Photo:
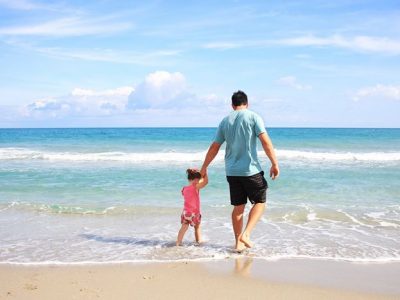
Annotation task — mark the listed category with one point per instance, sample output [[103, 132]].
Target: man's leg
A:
[[255, 214], [237, 224]]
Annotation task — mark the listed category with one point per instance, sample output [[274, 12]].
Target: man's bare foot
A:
[[240, 250], [240, 247], [245, 239]]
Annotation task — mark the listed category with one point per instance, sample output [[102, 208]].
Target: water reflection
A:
[[243, 266]]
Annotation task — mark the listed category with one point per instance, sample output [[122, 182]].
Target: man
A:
[[240, 130]]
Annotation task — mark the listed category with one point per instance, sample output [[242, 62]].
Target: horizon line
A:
[[190, 127]]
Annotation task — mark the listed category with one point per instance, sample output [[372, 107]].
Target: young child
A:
[[191, 207]]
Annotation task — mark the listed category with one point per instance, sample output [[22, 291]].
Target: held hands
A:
[[274, 172]]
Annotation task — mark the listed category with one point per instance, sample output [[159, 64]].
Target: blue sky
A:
[[177, 63]]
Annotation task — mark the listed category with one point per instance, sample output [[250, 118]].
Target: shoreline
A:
[[243, 277], [233, 255]]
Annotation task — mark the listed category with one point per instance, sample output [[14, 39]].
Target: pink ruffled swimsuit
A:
[[191, 207]]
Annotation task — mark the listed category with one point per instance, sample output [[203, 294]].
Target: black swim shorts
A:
[[252, 187]]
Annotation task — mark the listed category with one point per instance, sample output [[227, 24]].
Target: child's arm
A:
[[202, 182]]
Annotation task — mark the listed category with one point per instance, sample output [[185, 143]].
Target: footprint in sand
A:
[[30, 287]]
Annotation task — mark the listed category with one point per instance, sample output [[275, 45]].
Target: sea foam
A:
[[170, 157]]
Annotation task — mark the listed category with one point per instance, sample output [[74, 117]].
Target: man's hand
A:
[[274, 172], [269, 151]]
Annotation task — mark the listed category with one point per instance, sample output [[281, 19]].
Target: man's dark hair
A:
[[239, 98]]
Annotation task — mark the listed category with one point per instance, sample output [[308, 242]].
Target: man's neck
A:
[[240, 107]]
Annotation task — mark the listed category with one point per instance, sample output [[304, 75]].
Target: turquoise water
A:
[[101, 195]]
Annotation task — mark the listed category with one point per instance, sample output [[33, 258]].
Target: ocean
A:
[[114, 195]]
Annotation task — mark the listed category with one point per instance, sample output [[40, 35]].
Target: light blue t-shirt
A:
[[240, 129]]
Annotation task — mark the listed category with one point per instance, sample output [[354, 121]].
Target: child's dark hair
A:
[[193, 174]]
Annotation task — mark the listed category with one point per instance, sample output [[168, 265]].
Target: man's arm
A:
[[211, 154], [269, 151]]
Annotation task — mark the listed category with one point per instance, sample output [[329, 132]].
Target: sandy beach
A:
[[240, 278]]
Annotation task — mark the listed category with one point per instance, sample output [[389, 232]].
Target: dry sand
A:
[[241, 278]]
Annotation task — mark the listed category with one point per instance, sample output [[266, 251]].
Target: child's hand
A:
[[203, 172]]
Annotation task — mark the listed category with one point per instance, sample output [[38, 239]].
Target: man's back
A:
[[240, 130]]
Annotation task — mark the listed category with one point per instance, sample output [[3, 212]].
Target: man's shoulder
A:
[[252, 113], [224, 120], [251, 116], [245, 115]]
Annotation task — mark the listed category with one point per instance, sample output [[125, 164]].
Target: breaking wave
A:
[[170, 157]]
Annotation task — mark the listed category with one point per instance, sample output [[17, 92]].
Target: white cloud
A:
[[292, 82], [121, 91], [80, 102], [19, 4], [72, 26], [49, 108], [158, 57], [161, 99], [47, 105], [159, 89], [165, 90], [378, 91], [357, 43], [222, 45]]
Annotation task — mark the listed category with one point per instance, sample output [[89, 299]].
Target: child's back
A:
[[191, 196], [191, 207]]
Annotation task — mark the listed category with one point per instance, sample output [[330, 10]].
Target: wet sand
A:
[[240, 278]]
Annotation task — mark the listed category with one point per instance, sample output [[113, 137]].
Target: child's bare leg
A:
[[254, 215], [181, 233], [197, 233]]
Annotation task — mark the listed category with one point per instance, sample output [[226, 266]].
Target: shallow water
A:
[[104, 195]]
